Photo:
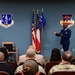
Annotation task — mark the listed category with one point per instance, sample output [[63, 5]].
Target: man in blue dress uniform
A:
[[65, 35]]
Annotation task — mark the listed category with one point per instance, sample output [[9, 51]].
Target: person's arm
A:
[[19, 69], [51, 71], [58, 34]]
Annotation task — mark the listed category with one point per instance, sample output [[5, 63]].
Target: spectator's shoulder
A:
[[22, 56]]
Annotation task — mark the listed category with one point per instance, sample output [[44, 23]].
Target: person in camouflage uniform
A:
[[65, 63]]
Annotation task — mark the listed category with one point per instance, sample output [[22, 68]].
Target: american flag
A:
[[34, 29]]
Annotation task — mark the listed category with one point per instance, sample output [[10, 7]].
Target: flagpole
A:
[[42, 39]]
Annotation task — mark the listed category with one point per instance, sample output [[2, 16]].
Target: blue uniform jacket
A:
[[66, 36]]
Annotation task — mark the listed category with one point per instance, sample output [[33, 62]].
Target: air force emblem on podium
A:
[[6, 20]]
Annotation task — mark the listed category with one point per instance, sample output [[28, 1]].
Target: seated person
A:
[[73, 61], [65, 63], [4, 50], [39, 58], [30, 67], [30, 54], [55, 55], [5, 66]]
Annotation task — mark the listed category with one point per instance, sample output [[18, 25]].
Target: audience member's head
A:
[[31, 47], [2, 57], [73, 61], [67, 56], [2, 49], [30, 67], [55, 55], [30, 54]]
